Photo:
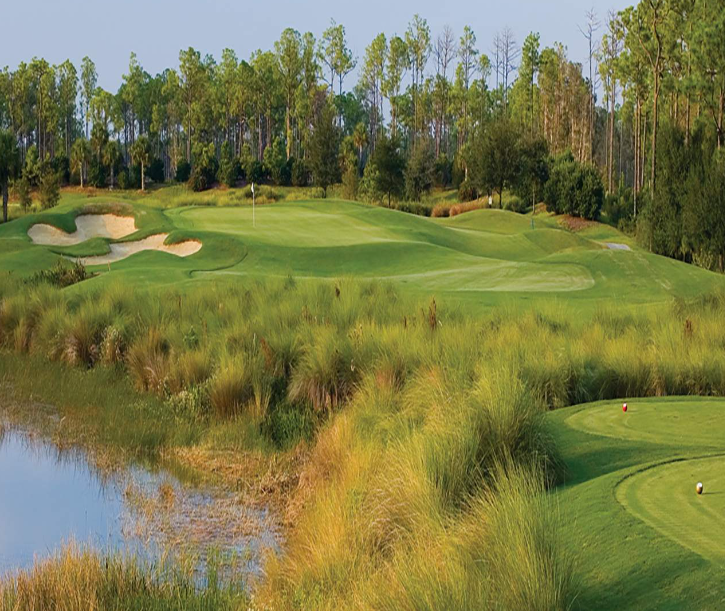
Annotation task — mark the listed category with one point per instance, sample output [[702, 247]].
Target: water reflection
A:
[[49, 496]]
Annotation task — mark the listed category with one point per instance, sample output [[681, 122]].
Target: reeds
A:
[[425, 485]]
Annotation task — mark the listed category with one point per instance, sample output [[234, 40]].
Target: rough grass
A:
[[424, 480], [76, 579]]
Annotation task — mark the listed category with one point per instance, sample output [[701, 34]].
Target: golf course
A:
[[378, 314], [479, 258], [325, 283]]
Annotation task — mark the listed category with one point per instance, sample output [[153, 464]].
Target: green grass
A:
[[414, 393], [645, 539], [479, 259]]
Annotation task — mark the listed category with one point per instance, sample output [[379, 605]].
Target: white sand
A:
[[154, 242], [616, 246], [88, 226]]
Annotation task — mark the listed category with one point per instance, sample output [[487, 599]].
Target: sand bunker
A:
[[154, 242], [88, 226], [615, 246]]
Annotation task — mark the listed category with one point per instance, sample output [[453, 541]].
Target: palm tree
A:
[[111, 156], [9, 166], [80, 155], [360, 138], [141, 153]]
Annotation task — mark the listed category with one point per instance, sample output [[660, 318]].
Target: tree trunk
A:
[[143, 183], [610, 177], [188, 136], [654, 133], [5, 201]]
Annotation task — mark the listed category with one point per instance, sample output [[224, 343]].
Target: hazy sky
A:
[[157, 29]]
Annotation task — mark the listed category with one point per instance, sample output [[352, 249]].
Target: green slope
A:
[[642, 537], [479, 258]]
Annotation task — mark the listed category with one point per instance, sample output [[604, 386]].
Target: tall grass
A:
[[424, 483], [76, 579]]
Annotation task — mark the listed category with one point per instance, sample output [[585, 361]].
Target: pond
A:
[[50, 496]]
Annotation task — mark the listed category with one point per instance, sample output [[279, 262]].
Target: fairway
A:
[[479, 258], [644, 537]]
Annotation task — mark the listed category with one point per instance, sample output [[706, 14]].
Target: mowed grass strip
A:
[[689, 423], [664, 497]]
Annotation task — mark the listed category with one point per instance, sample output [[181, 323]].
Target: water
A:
[[49, 497]]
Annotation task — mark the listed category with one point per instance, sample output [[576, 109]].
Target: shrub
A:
[[574, 189], [418, 208], [254, 171], [229, 168], [60, 164], [49, 190], [457, 209], [204, 170], [419, 173], [516, 204], [122, 179], [441, 210], [183, 171], [231, 389], [148, 361], [300, 173], [156, 170], [443, 171], [22, 190], [467, 191], [97, 174], [62, 274], [350, 183]]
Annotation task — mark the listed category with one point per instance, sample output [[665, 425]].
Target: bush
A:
[[122, 179], [254, 171], [204, 170], [300, 173], [60, 164], [574, 189], [62, 274], [22, 190], [443, 172], [441, 210], [97, 174], [419, 173], [229, 167], [350, 183], [134, 176], [155, 171], [619, 208], [467, 191], [49, 190], [457, 209], [183, 171], [516, 204], [417, 208]]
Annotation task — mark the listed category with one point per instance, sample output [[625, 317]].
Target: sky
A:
[[108, 31]]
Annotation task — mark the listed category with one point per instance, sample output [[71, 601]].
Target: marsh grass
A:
[[78, 579], [426, 462]]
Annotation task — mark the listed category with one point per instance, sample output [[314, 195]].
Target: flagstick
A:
[[254, 222]]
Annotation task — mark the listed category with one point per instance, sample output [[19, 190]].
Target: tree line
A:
[[425, 109]]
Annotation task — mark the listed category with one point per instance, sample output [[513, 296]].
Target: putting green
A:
[[698, 422], [664, 497]]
